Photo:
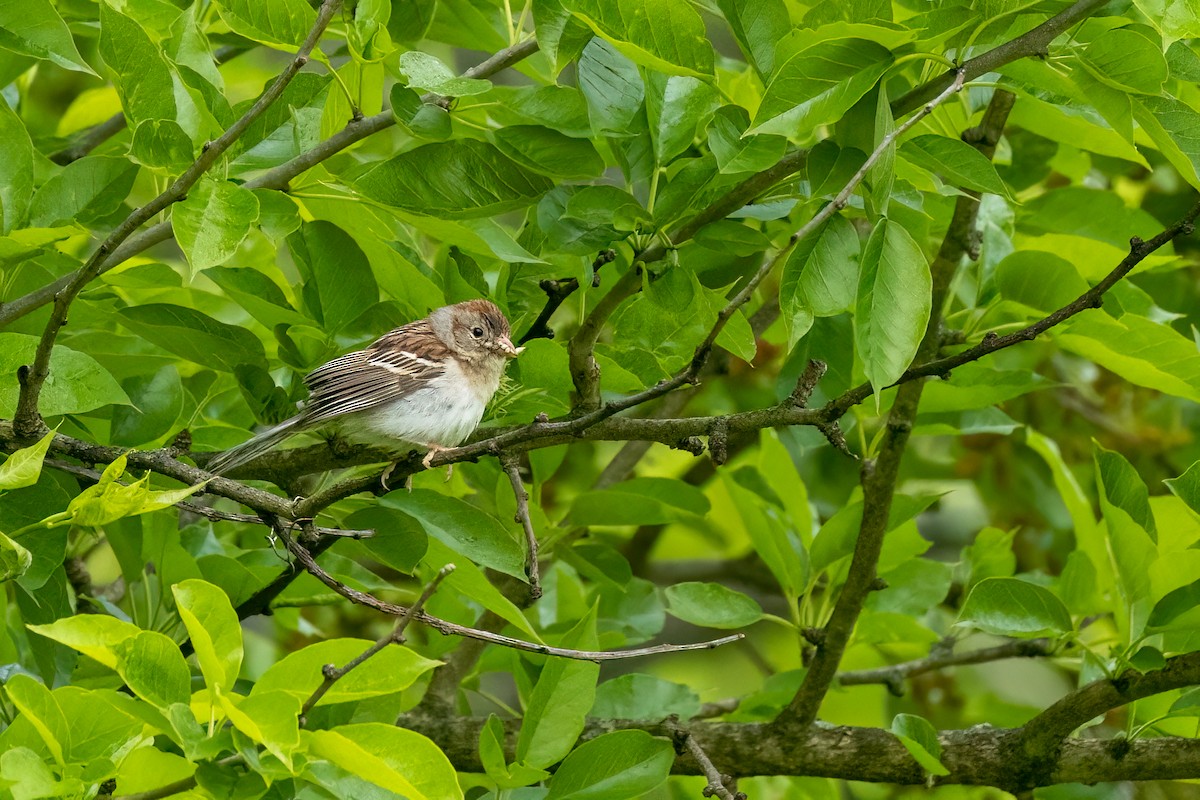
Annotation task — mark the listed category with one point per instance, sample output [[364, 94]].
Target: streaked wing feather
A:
[[386, 371]]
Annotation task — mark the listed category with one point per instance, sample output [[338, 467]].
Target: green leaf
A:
[[428, 74], [340, 284], [1177, 19], [958, 163], [1127, 60], [736, 153], [1042, 281], [818, 85], [24, 467], [391, 670], [920, 739], [556, 710], [758, 27], [194, 335], [613, 89], [1013, 607], [278, 22], [40, 709], [675, 107], [271, 719], [1140, 351], [1173, 604], [156, 401], [639, 501], [95, 635], [258, 294], [34, 28], [1187, 486], [470, 581], [663, 35], [617, 764], [84, 191], [77, 383], [460, 179], [465, 529], [213, 220], [647, 697], [893, 303], [399, 760], [820, 275], [153, 667], [549, 152], [145, 80], [491, 753], [15, 560], [1175, 128], [16, 165], [712, 605], [147, 769], [214, 629]]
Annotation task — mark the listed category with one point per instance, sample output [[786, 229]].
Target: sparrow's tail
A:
[[261, 443]]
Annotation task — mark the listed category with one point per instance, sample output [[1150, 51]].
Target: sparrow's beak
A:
[[508, 348]]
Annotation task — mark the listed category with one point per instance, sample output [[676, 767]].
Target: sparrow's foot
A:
[[387, 474], [434, 449]]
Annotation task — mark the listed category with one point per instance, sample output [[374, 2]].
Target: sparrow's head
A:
[[474, 329]]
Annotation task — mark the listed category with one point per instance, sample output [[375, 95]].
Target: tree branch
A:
[[718, 784], [513, 468], [894, 676], [879, 476], [454, 629]]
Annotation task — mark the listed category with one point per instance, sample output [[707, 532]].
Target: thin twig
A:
[[513, 467], [894, 676], [28, 422], [334, 674], [718, 784], [454, 629]]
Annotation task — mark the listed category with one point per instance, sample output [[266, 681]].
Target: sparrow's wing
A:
[[398, 364]]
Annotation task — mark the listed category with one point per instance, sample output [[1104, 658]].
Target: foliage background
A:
[[628, 175]]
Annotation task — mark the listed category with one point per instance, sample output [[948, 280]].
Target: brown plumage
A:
[[423, 383]]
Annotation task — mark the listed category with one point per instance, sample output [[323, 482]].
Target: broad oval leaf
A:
[[664, 35], [821, 273], [24, 467], [460, 179], [958, 163], [920, 739], [639, 696], [391, 670], [549, 152], [16, 168], [712, 605], [194, 335], [893, 303], [1013, 607], [77, 383], [33, 27], [399, 760], [465, 529], [211, 222], [1127, 60], [617, 764], [214, 629], [153, 667], [818, 85]]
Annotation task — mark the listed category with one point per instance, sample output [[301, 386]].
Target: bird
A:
[[426, 383]]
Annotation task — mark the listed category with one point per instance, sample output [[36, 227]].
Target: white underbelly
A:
[[427, 417]]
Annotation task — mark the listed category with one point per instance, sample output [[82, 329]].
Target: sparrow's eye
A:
[[477, 333]]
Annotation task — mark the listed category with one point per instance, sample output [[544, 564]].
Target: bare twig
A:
[[513, 468], [894, 676], [28, 422], [332, 674], [453, 629], [718, 784]]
